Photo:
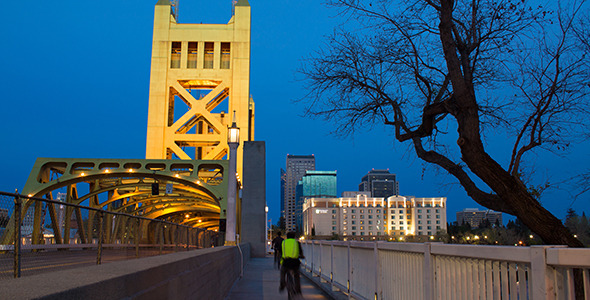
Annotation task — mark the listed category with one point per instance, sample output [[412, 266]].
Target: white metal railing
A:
[[384, 270]]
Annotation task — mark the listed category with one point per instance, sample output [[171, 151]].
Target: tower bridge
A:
[[199, 85]]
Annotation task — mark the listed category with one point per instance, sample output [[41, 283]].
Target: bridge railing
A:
[[384, 270], [38, 235]]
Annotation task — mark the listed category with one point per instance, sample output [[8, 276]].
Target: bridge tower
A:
[[199, 82]]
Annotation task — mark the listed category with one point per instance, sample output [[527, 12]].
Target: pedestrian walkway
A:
[[261, 281]]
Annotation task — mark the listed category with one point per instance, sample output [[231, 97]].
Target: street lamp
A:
[[233, 141]]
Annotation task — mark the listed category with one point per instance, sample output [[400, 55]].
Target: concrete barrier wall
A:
[[198, 274]]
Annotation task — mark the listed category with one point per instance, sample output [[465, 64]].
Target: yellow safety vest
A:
[[290, 249]]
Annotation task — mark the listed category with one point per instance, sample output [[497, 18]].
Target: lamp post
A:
[[233, 141]]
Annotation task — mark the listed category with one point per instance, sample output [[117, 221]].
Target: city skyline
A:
[[90, 66]]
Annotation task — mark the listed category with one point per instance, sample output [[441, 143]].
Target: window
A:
[[401, 217], [437, 227], [353, 211], [333, 222], [353, 227], [392, 222], [393, 217], [419, 222], [419, 216], [353, 222], [428, 211], [362, 227], [353, 216], [333, 228], [333, 211], [401, 211], [345, 222], [437, 222], [419, 227], [191, 62], [175, 55], [354, 233], [362, 216], [370, 216], [208, 58], [370, 211], [225, 55], [429, 227], [419, 211], [362, 222], [370, 227], [362, 211], [438, 216], [378, 216], [362, 232], [393, 211], [370, 222], [378, 211], [437, 210], [427, 216], [428, 222], [333, 216]]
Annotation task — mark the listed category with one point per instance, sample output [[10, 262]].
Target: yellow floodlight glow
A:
[[130, 170], [485, 236], [31, 195], [198, 182], [432, 237], [476, 237], [106, 171], [187, 216], [531, 236], [200, 220], [82, 174], [468, 238], [176, 175]]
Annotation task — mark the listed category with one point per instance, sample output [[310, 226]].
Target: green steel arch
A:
[[189, 192]]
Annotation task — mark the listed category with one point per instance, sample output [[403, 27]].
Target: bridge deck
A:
[[261, 281]]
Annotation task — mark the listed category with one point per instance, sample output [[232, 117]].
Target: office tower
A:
[[297, 165], [380, 183], [283, 186], [474, 217], [317, 184]]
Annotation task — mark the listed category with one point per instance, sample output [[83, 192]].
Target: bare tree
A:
[[482, 68]]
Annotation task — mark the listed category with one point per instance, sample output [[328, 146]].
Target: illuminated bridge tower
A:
[[200, 76]]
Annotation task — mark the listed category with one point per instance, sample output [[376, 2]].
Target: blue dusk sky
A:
[[75, 79]]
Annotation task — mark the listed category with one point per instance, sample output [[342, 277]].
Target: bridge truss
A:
[[187, 192]]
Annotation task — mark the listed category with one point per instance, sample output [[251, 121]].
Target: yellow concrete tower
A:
[[200, 76]]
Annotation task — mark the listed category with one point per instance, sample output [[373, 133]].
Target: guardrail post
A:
[[349, 270], [428, 272], [320, 261], [161, 236], [137, 238], [377, 269], [542, 286], [17, 235], [100, 235], [332, 266], [188, 237]]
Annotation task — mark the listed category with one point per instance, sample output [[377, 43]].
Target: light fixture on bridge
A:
[[233, 141], [187, 216], [233, 135]]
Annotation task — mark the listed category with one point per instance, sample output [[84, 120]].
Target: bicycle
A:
[[293, 291]]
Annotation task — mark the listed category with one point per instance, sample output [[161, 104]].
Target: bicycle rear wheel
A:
[[291, 289]]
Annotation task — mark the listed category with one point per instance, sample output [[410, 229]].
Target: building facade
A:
[[362, 216], [474, 217], [380, 183], [316, 184], [297, 165]]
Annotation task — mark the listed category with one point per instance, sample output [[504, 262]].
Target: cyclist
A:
[[291, 253], [277, 243]]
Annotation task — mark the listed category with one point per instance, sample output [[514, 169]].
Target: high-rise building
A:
[[380, 183], [474, 217], [316, 184], [297, 165], [283, 185]]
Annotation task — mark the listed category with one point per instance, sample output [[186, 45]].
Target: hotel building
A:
[[362, 216]]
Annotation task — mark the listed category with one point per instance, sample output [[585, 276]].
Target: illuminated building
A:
[[297, 165], [380, 183], [316, 184], [199, 85], [362, 216], [474, 217]]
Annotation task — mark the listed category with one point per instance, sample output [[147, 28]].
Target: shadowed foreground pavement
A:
[[261, 281]]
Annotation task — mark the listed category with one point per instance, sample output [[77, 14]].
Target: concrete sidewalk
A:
[[261, 281]]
